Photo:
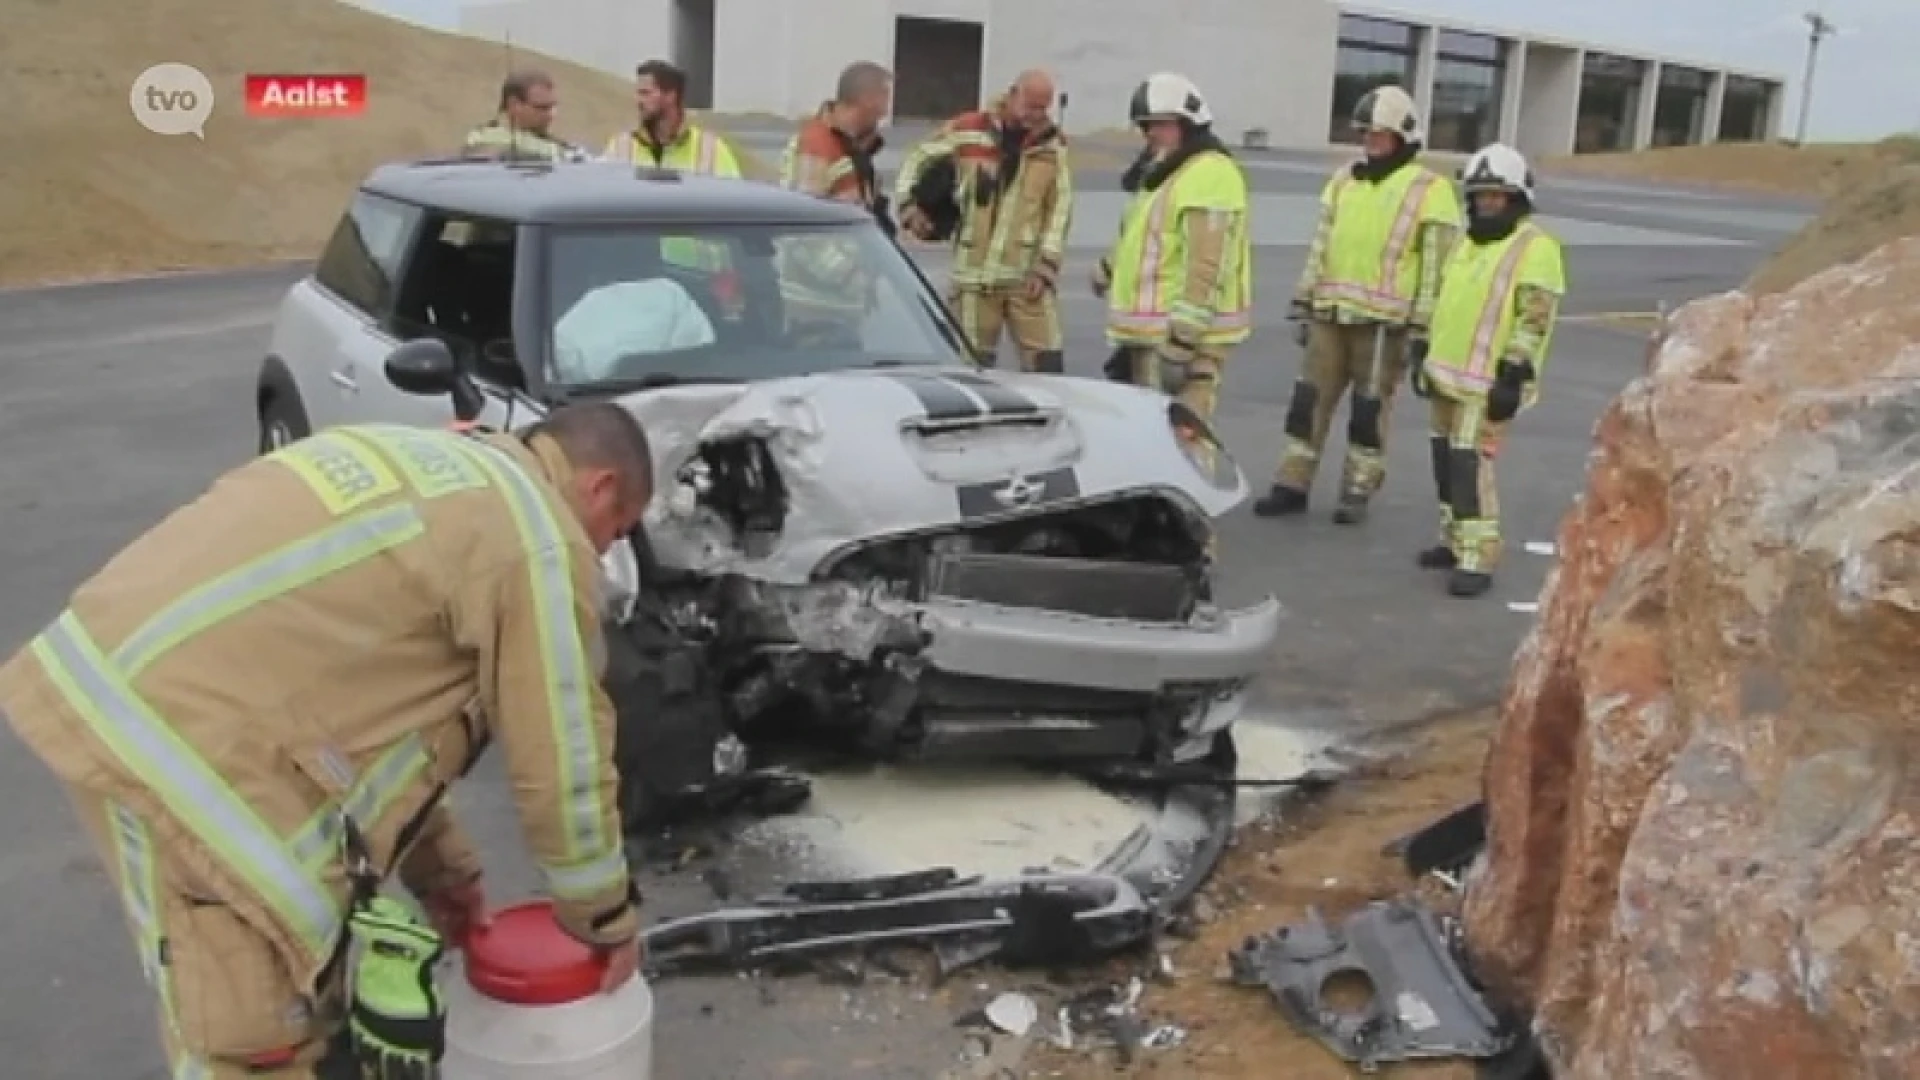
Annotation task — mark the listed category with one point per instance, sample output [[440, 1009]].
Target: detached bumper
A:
[[1035, 646]]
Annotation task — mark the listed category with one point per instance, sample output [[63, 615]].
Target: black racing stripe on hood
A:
[[940, 399], [1001, 399]]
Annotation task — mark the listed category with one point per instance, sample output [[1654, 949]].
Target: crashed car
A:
[[858, 537]]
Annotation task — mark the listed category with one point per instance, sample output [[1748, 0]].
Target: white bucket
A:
[[528, 1007]]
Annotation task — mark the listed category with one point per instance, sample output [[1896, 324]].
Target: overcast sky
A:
[[1859, 91]]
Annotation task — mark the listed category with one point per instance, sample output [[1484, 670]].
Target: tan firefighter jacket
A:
[[338, 628], [1016, 202]]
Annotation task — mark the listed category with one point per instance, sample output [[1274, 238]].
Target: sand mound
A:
[[1853, 224], [1814, 170], [86, 191]]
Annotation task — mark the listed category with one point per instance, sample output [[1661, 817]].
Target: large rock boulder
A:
[[1705, 789]]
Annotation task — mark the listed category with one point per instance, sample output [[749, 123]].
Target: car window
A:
[[735, 302], [459, 288], [362, 259]]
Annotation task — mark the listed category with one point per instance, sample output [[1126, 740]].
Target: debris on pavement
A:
[[1412, 999], [1445, 847], [1013, 1012], [1040, 919]]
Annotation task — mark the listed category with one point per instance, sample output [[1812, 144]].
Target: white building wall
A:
[[1261, 63], [612, 35]]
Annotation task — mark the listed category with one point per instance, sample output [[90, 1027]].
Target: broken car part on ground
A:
[[1399, 959]]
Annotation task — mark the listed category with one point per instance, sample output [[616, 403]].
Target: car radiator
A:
[[1102, 588]]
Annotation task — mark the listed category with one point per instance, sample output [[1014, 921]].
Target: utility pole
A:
[[1819, 27]]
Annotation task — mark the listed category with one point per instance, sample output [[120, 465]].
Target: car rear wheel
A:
[[282, 421]]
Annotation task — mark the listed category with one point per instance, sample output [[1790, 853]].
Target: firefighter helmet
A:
[[1388, 108], [1167, 94], [1497, 167]]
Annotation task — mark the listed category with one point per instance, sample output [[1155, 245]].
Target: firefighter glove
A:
[[1417, 348], [1102, 277], [396, 1022], [1509, 386], [1119, 366]]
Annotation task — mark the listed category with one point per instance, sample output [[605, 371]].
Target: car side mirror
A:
[[426, 366]]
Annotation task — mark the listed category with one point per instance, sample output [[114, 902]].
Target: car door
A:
[[355, 285]]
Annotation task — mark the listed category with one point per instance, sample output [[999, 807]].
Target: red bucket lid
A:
[[522, 957]]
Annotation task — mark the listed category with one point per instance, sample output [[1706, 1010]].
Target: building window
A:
[[1371, 53], [1379, 33], [1468, 76], [1747, 110], [1680, 113], [1609, 103]]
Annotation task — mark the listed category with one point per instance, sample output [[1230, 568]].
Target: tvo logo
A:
[[172, 99]]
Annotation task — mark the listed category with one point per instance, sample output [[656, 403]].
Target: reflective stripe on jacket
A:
[[335, 628], [1183, 266], [1018, 228], [1369, 266], [1478, 320], [694, 150], [498, 139]]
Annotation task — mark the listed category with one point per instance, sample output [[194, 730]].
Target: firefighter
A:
[[522, 125], [1499, 298], [1013, 188], [823, 281], [257, 707], [1370, 280], [664, 138], [1179, 281], [832, 155]]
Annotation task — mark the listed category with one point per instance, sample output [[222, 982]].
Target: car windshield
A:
[[659, 305]]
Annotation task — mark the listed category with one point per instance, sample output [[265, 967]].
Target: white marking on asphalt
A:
[[1540, 547], [1523, 607]]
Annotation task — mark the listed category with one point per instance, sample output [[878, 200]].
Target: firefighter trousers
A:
[[1205, 368], [1368, 358], [229, 1008], [1034, 325], [1464, 443]]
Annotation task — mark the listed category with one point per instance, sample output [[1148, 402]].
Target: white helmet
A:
[[1389, 108], [1497, 167], [1167, 94]]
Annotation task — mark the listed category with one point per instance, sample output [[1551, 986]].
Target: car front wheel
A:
[[282, 421]]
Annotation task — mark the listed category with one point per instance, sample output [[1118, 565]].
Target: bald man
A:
[[1003, 171]]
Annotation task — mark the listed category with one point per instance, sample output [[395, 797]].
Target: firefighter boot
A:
[[1437, 557], [1352, 509], [1280, 501], [1465, 583]]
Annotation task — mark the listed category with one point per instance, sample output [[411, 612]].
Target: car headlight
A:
[[620, 580], [1202, 447]]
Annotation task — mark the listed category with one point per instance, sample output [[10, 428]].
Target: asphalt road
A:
[[120, 402]]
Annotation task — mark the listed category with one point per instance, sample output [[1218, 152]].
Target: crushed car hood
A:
[[873, 452]]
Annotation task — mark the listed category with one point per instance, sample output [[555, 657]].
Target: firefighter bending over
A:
[[822, 281], [1491, 331], [1370, 280], [257, 707], [522, 125], [1179, 282], [1004, 170]]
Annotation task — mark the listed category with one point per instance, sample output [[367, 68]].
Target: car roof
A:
[[588, 192]]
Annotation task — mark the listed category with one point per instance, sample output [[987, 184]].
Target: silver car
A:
[[858, 536]]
